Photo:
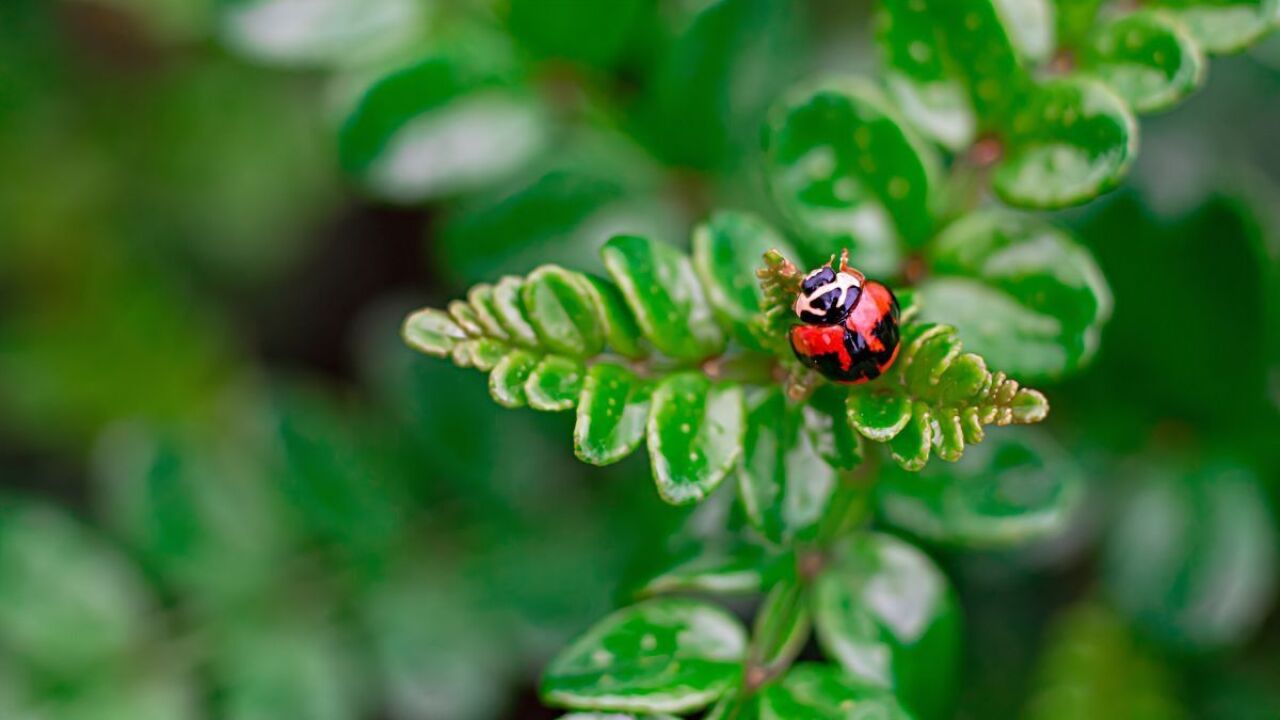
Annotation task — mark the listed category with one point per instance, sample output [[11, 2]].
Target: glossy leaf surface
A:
[[611, 414], [1223, 26], [1193, 560], [555, 383], [919, 76], [783, 483], [442, 124], [848, 174], [562, 312], [663, 292], [1073, 140], [810, 691], [1023, 294], [887, 614], [1016, 486], [727, 250], [1148, 58], [663, 655], [695, 435]]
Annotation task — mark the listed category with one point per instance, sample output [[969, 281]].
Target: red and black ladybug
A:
[[850, 330]]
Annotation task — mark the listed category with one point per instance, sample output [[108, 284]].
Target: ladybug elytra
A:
[[850, 330]]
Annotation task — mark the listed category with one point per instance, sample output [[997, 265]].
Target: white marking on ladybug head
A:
[[843, 282]]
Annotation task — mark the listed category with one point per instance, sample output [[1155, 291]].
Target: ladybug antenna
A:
[[845, 267]]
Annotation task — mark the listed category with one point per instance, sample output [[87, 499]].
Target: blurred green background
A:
[[228, 491]]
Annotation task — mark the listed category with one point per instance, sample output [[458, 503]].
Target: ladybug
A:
[[850, 330]]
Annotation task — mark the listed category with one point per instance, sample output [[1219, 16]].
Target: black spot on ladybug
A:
[[816, 279], [828, 364], [866, 365], [886, 331]]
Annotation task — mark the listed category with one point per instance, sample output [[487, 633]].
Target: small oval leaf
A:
[[562, 311], [880, 416], [695, 435], [824, 692], [783, 483], [611, 414], [1023, 294], [931, 97], [848, 174], [887, 614], [1074, 140], [1015, 487], [555, 383], [1148, 58], [432, 331], [507, 380], [727, 251], [406, 136], [1224, 26], [662, 655], [663, 292]]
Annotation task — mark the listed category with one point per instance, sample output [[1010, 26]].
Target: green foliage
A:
[[686, 399], [1175, 543], [375, 541], [663, 655]]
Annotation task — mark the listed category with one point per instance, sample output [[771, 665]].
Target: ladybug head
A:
[[828, 295]]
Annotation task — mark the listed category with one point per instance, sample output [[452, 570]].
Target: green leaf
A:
[[1073, 140], [781, 627], [614, 716], [555, 383], [1148, 58], [912, 446], [562, 311], [443, 124], [69, 603], [695, 433], [507, 381], [980, 43], [663, 292], [936, 395], [508, 307], [480, 298], [203, 516], [1022, 293], [810, 691], [879, 415], [611, 414], [341, 33], [662, 655], [1193, 559], [848, 174], [620, 328], [288, 667], [1224, 26], [432, 332], [1013, 488], [887, 614], [727, 250], [826, 423], [917, 73], [783, 483], [1029, 25]]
